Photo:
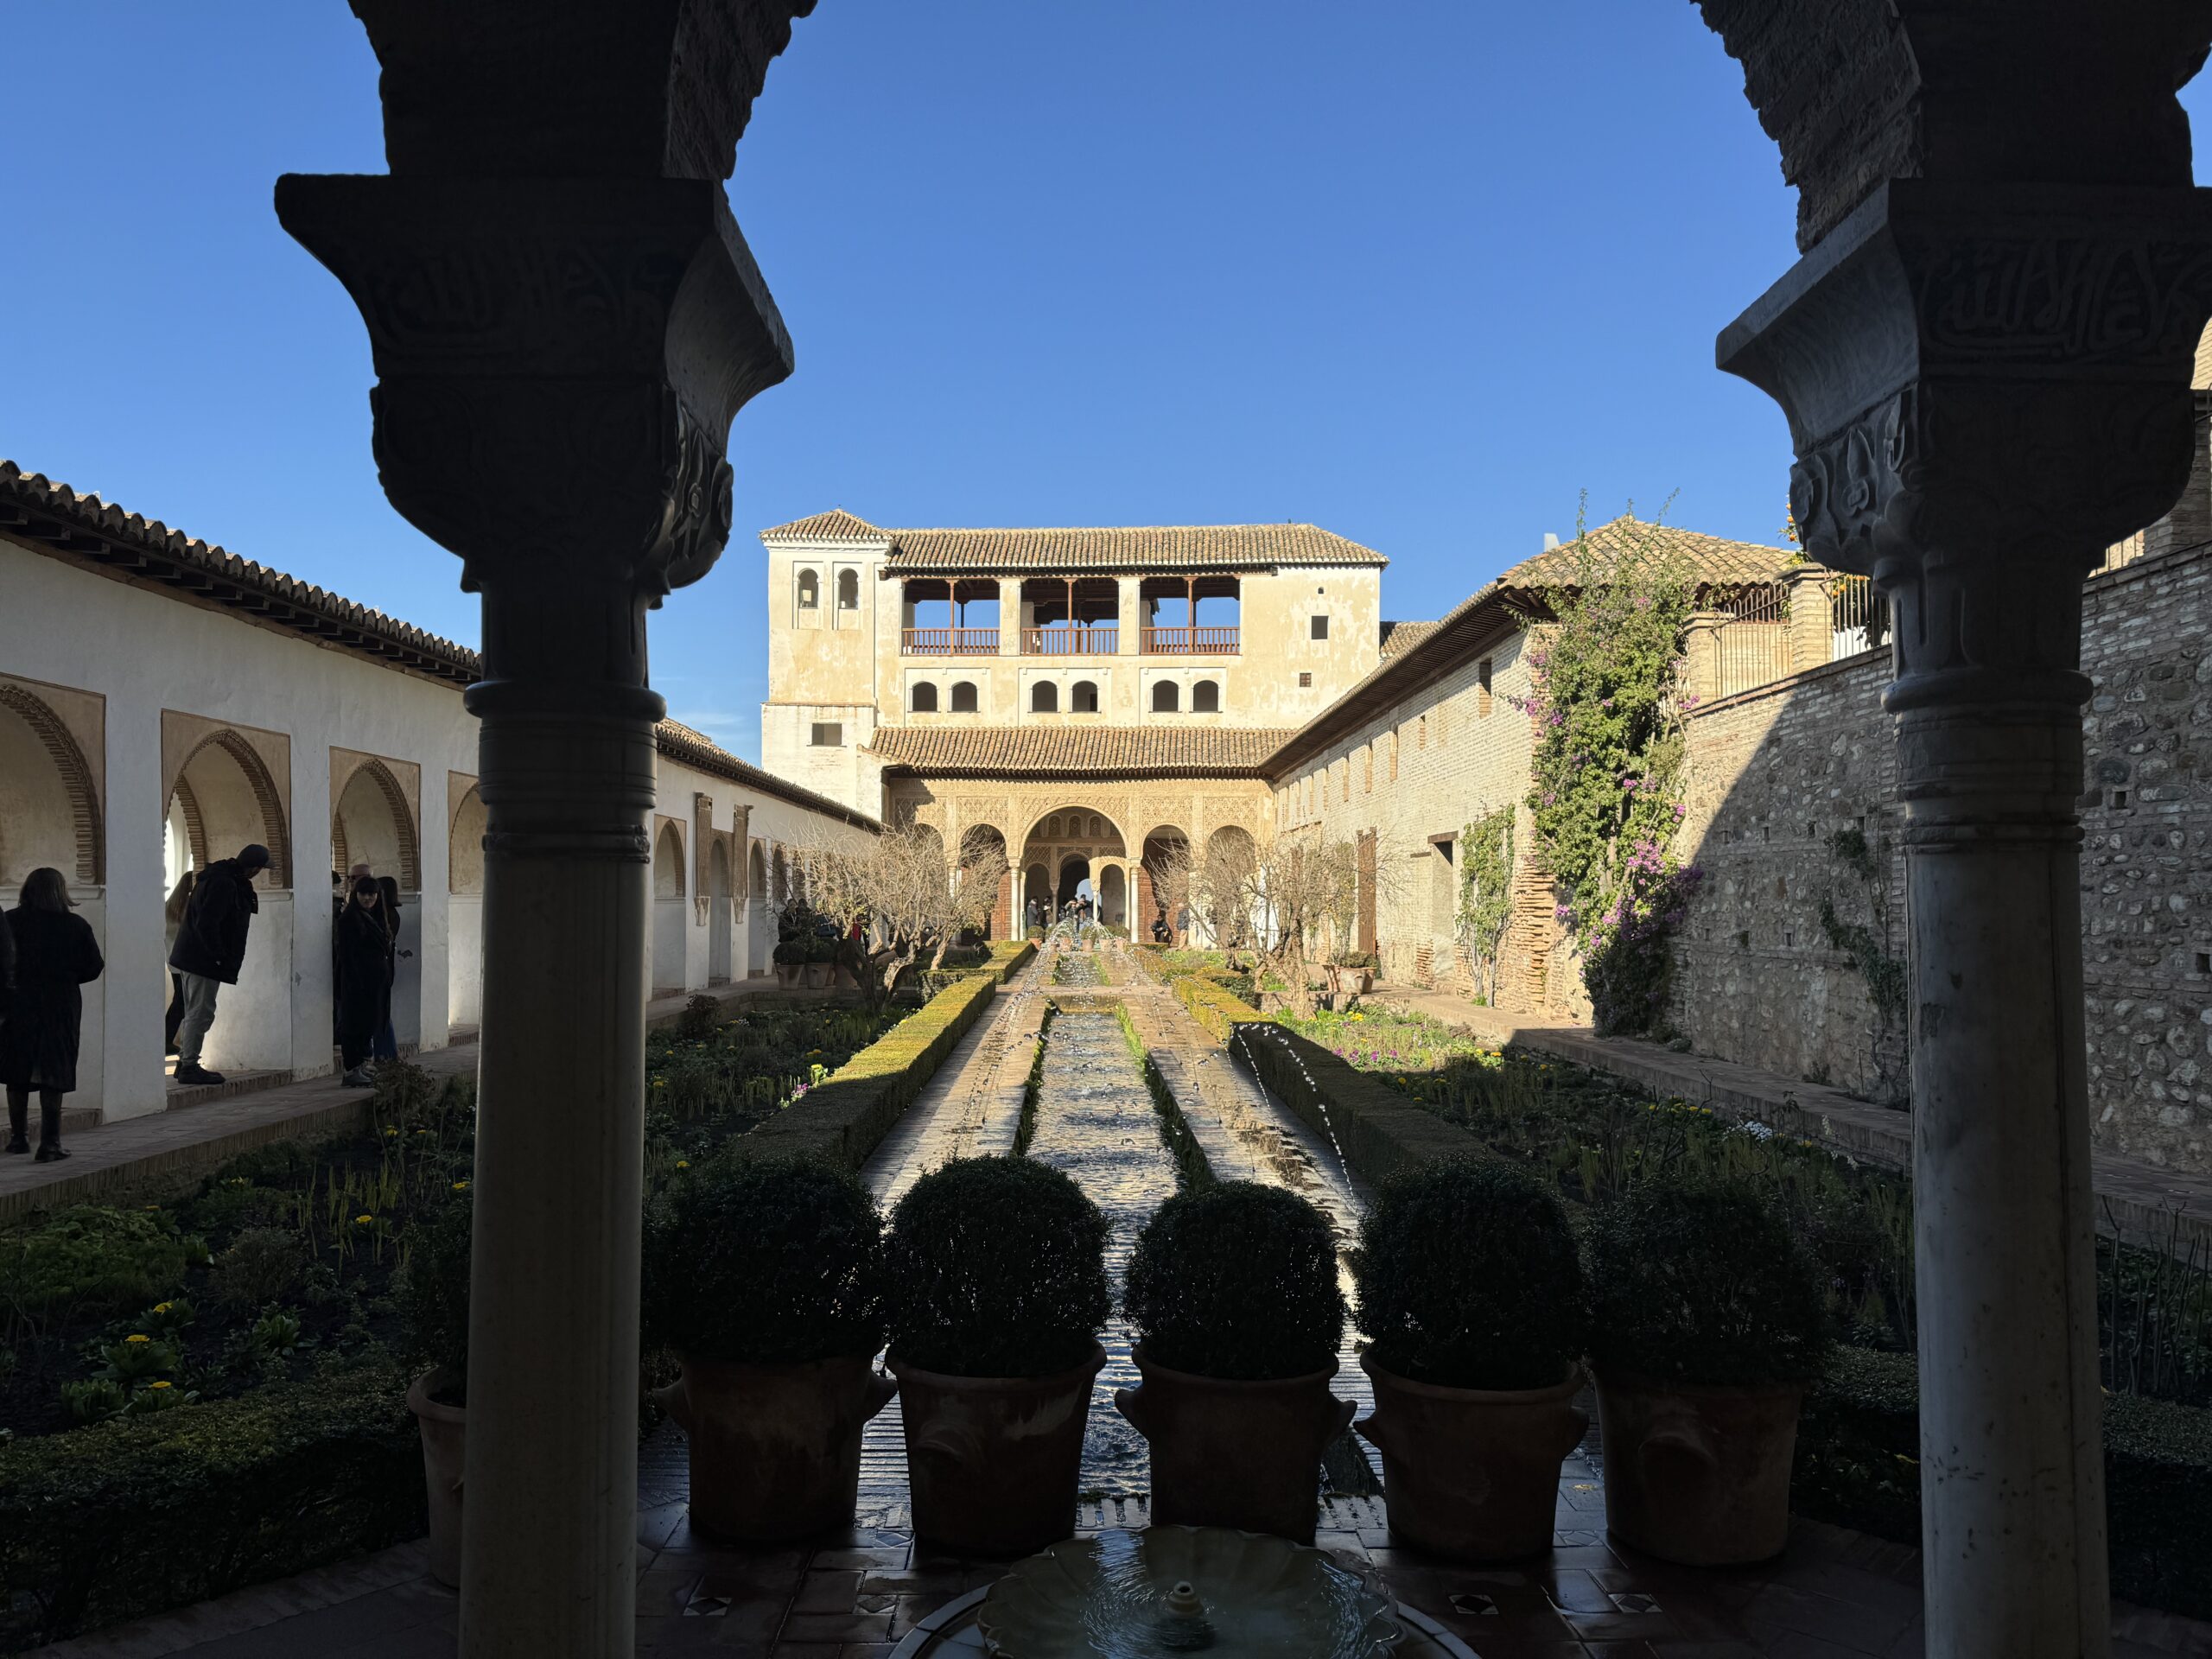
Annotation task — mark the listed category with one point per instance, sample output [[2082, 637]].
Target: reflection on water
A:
[[1094, 1120]]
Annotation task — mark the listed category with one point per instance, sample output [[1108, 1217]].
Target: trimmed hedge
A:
[[1010, 957], [132, 1517], [842, 1117], [1378, 1129], [1857, 1466]]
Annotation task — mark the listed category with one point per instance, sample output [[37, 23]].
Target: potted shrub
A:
[[1351, 970], [1232, 1288], [1471, 1297], [997, 1275], [766, 1277], [821, 963], [1707, 1322], [790, 957], [434, 1296]]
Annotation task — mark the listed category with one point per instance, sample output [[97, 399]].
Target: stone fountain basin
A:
[[1107, 1596]]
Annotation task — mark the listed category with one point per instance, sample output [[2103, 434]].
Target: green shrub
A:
[[996, 1267], [1379, 1131], [1237, 1280], [1702, 1283], [1213, 1005], [434, 1295], [769, 1260], [262, 1264], [1468, 1277], [108, 1523], [701, 1019], [94, 1256]]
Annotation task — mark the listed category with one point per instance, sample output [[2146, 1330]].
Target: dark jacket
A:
[[361, 948], [211, 942], [55, 953], [7, 969]]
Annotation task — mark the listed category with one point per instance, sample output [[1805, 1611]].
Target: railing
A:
[[1190, 642], [949, 642], [1754, 645], [1085, 640], [1858, 618]]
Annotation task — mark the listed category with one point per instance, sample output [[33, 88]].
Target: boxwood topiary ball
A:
[[767, 1261], [1237, 1280], [1703, 1283], [997, 1267], [1468, 1277]]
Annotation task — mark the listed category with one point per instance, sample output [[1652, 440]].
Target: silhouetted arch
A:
[[276, 835], [1045, 698], [75, 773], [963, 697], [1166, 698], [1205, 697], [1082, 697], [668, 863], [380, 776], [923, 699]]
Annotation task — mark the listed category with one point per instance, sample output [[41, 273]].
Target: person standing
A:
[[385, 1043], [55, 957], [173, 924], [210, 950], [362, 951]]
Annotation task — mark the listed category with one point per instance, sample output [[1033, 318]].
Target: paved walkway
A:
[[206, 1125], [2157, 1208], [862, 1593]]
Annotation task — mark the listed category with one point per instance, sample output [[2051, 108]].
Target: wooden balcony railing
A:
[[1190, 642], [1085, 640], [950, 642]]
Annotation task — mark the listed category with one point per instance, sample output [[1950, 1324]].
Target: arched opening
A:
[[849, 590], [1075, 869], [719, 924], [922, 700], [1113, 899], [810, 591], [1082, 697], [1166, 698], [1164, 883], [372, 823], [1037, 897], [671, 925], [465, 910], [1223, 888], [1205, 697], [1045, 698], [223, 798], [963, 697], [759, 919], [983, 858]]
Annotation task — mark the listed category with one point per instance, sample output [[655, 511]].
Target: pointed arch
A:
[[380, 777], [87, 830], [269, 802]]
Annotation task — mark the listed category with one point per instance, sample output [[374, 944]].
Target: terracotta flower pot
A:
[[445, 1454], [775, 1449], [993, 1461], [818, 974], [1472, 1473], [1699, 1475], [789, 973], [1246, 1455]]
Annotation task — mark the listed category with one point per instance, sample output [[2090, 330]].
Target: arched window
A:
[[1053, 828], [1082, 697], [922, 700], [963, 697], [1166, 696], [810, 590], [1045, 698], [849, 590], [1097, 827], [1205, 697]]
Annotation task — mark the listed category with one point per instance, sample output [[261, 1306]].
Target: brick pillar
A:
[[1701, 653], [1002, 914], [1010, 616], [1146, 907], [1810, 634]]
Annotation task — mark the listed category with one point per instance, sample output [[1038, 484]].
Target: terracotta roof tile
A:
[[1404, 636], [1143, 547], [1126, 751], [1712, 558], [695, 748]]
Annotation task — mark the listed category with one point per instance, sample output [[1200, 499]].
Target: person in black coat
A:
[[210, 950], [56, 953], [362, 949]]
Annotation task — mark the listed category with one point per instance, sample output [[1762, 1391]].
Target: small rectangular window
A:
[[1304, 677], [1482, 690], [1320, 626], [1367, 771], [829, 735], [2204, 962]]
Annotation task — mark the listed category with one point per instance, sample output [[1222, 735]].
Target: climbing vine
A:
[[1605, 799], [1866, 943], [1486, 892]]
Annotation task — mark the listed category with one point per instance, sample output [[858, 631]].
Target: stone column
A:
[[1810, 635], [1009, 616], [564, 320], [1985, 387], [1132, 617]]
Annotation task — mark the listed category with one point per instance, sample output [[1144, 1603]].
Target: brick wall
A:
[[1774, 774]]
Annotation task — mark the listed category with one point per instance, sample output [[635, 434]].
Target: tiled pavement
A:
[[2155, 1207]]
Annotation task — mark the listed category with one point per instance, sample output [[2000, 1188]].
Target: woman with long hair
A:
[[362, 951], [55, 956]]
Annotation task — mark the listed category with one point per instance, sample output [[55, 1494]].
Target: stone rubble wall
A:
[[1775, 773]]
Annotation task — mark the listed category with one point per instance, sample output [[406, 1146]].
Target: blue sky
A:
[[1421, 273]]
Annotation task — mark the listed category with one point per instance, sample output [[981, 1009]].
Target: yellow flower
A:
[[684, 1163], [137, 1336], [363, 1221], [461, 1187], [158, 1384], [161, 1307]]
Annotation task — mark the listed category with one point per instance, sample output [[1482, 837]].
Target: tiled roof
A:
[[1146, 547], [82, 528], [1712, 558], [85, 529], [835, 525], [694, 748], [1087, 751], [1404, 636]]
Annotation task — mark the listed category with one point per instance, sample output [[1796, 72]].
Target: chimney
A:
[[1550, 541]]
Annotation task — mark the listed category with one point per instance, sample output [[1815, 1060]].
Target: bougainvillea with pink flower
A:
[[1605, 799]]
